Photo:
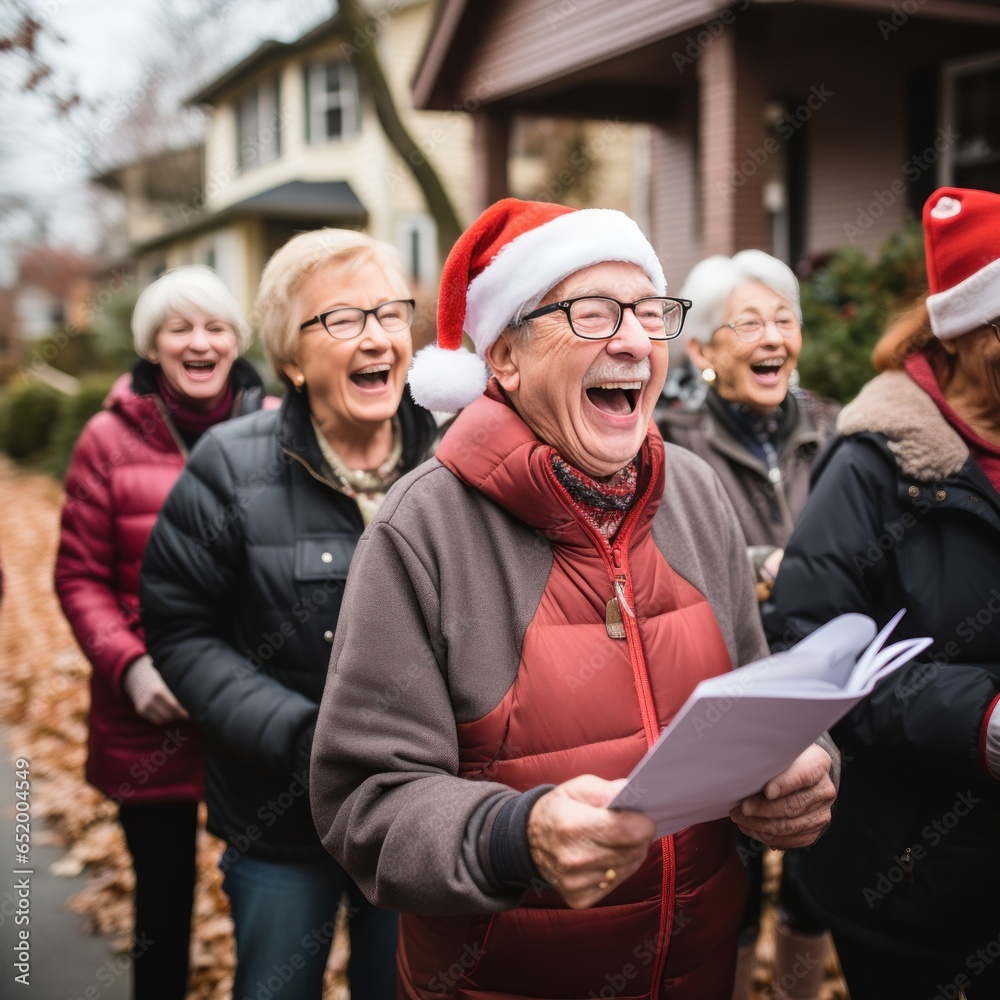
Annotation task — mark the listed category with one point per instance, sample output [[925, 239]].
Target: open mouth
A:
[[199, 367], [767, 367], [618, 398], [372, 377]]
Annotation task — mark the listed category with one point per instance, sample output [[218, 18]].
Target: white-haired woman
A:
[[743, 336], [242, 621], [188, 331]]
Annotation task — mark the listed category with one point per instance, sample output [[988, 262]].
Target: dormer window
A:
[[258, 124], [332, 103]]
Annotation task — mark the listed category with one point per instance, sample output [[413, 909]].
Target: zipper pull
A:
[[613, 621]]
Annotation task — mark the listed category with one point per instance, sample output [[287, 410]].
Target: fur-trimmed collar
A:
[[926, 446]]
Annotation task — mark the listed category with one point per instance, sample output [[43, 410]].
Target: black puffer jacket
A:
[[901, 517], [241, 587]]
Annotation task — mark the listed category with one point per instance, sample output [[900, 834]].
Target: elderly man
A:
[[524, 615]]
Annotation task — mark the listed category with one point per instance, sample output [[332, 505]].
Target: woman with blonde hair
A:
[[188, 332], [242, 585]]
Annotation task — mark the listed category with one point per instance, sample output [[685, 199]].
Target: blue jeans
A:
[[284, 918]]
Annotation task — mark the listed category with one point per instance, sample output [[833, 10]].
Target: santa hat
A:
[[961, 240], [502, 265]]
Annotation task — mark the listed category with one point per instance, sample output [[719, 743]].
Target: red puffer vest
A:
[[124, 464], [670, 929]]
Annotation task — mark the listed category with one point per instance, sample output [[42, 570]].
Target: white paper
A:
[[738, 730]]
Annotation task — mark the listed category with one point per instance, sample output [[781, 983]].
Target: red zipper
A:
[[617, 564]]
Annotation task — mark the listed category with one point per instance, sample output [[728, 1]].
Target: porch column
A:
[[734, 147], [491, 146]]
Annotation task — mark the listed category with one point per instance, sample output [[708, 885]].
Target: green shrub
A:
[[74, 412], [846, 304], [29, 416]]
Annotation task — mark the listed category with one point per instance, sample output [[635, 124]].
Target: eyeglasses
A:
[[347, 323], [995, 323], [752, 328], [597, 317]]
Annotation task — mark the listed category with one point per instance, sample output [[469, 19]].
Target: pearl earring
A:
[[708, 374]]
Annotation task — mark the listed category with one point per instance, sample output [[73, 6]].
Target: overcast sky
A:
[[104, 50]]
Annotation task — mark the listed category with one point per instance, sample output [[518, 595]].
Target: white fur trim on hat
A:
[[968, 305], [446, 380], [527, 267]]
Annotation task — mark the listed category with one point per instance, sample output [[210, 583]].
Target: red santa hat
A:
[[963, 260], [501, 266]]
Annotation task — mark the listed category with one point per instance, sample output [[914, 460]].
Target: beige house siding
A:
[[857, 152]]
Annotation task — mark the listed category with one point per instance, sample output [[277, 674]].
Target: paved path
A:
[[65, 962]]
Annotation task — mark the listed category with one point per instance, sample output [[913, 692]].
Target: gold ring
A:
[[609, 877]]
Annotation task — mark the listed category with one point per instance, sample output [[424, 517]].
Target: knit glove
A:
[[150, 695], [993, 742]]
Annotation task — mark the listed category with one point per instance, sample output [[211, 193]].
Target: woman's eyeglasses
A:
[[347, 322], [752, 328]]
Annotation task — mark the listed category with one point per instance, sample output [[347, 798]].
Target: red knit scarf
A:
[[604, 502], [190, 421], [984, 453]]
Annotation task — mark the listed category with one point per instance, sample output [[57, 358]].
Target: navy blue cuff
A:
[[510, 855]]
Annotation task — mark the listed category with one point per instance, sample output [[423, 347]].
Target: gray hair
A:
[[714, 279], [179, 289]]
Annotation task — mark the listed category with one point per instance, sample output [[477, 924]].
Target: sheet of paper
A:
[[738, 730]]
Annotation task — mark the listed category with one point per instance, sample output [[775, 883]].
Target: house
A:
[[796, 126], [293, 143]]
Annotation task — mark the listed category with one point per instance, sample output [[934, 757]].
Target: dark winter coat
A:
[[900, 517], [241, 588], [124, 464], [767, 503]]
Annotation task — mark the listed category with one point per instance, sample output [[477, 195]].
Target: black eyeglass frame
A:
[[321, 318], [565, 304]]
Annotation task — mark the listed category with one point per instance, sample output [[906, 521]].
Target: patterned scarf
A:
[[604, 502], [367, 488]]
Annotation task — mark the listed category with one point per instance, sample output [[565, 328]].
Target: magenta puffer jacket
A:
[[124, 464]]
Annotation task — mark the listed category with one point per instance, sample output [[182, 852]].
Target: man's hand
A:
[[582, 849], [794, 808], [152, 699]]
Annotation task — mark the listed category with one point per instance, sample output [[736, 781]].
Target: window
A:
[[332, 104], [970, 132], [258, 125], [416, 237]]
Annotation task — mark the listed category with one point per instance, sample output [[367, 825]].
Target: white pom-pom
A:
[[447, 380]]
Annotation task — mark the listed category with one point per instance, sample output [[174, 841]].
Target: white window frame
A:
[[320, 100], [950, 73], [424, 268], [265, 96]]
